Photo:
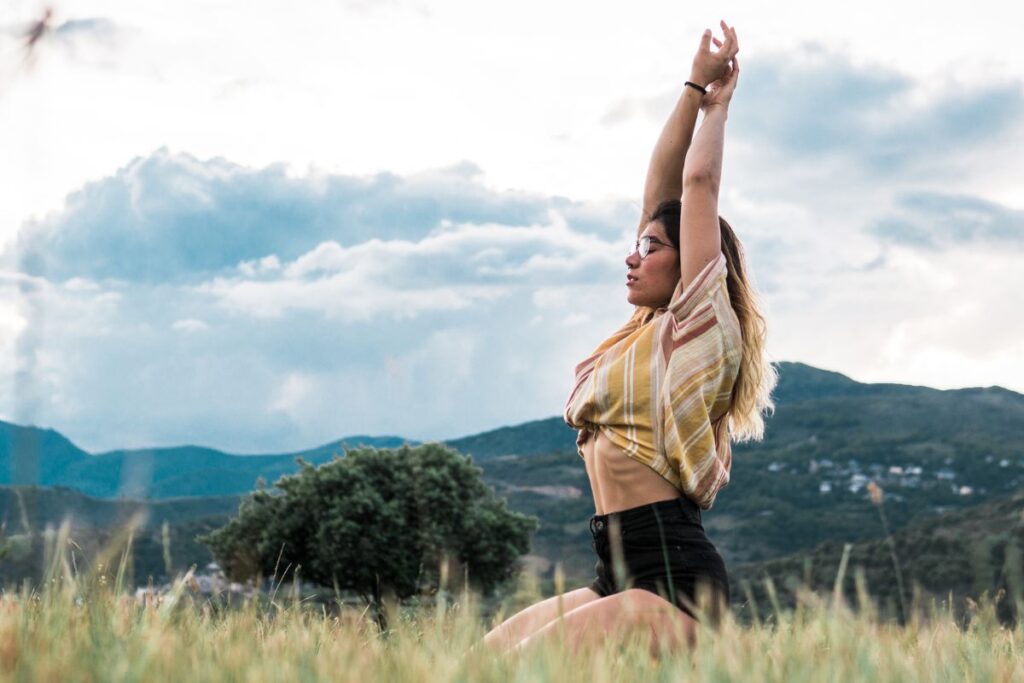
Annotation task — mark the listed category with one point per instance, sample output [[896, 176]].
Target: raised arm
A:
[[699, 233], [665, 171]]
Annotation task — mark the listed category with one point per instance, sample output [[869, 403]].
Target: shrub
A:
[[377, 522]]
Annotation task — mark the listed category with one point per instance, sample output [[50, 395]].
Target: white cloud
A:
[[293, 395], [343, 297], [315, 294], [453, 268], [895, 322], [417, 335], [520, 97], [172, 216], [189, 325], [266, 264], [277, 352]]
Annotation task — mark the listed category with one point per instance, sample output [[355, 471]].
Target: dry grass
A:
[[80, 626]]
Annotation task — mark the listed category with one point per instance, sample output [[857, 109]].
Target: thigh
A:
[[615, 617], [527, 621]]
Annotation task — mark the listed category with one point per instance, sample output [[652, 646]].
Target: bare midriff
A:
[[618, 481]]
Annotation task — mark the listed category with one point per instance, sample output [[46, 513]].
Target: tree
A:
[[378, 521]]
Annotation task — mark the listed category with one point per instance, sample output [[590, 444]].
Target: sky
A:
[[261, 227]]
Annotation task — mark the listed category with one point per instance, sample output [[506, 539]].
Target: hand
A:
[[720, 92], [709, 66]]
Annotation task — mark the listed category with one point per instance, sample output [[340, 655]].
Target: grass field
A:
[[66, 634], [81, 626]]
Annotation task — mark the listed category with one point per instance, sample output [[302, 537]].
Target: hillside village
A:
[[854, 476], [851, 476]]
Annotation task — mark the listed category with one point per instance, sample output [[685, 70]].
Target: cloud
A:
[[365, 7], [92, 41], [98, 29], [173, 217], [937, 318], [164, 365], [277, 339], [255, 310], [934, 220], [830, 164], [189, 325], [813, 104], [453, 268]]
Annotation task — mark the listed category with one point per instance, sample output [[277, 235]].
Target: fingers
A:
[[728, 82], [733, 71], [731, 46], [705, 41], [727, 46]]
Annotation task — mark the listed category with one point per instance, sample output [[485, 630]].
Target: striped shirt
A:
[[660, 386]]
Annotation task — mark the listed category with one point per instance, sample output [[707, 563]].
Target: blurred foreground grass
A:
[[81, 626]]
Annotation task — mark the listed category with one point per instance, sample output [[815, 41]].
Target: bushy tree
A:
[[377, 521]]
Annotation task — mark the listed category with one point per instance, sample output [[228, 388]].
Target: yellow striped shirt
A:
[[660, 386]]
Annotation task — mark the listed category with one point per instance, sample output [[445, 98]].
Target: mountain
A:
[[529, 438], [29, 455], [932, 451], [43, 457], [30, 508]]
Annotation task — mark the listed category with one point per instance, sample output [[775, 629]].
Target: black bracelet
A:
[[702, 90]]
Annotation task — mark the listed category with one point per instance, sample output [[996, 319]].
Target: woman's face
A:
[[651, 281]]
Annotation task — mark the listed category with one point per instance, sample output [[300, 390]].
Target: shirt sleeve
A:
[[702, 353], [684, 300]]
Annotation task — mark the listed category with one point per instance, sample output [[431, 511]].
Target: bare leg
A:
[[600, 621], [525, 622]]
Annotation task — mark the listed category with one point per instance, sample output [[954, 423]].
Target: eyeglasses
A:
[[643, 245]]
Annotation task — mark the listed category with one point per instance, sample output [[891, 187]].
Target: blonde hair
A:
[[751, 394]]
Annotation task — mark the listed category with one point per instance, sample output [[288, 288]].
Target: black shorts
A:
[[665, 551]]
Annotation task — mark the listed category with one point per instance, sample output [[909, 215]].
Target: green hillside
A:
[[23, 508], [28, 511], [966, 553], [932, 452], [43, 457]]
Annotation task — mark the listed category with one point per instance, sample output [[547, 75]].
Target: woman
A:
[[658, 402]]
